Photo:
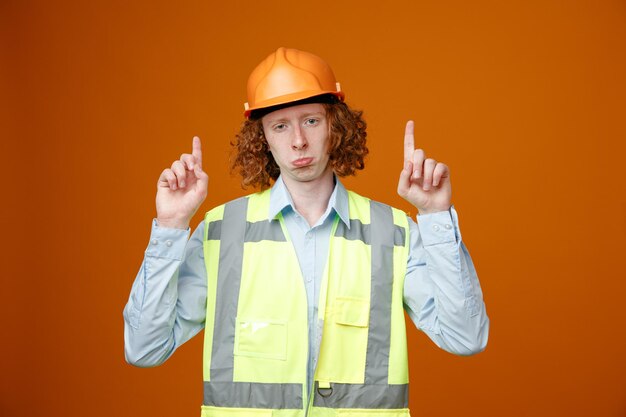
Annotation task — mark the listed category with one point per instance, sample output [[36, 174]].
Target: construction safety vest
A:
[[256, 334]]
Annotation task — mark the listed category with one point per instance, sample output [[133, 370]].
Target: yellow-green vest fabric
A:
[[256, 330]]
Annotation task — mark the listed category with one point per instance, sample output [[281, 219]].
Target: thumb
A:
[[404, 182]]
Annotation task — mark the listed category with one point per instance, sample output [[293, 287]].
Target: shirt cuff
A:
[[440, 227], [166, 242]]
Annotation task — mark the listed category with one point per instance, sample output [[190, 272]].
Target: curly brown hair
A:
[[347, 149]]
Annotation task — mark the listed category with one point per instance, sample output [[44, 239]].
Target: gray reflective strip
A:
[[255, 232], [253, 395], [399, 236], [362, 396], [379, 335], [215, 230], [265, 230], [360, 231], [357, 231], [228, 282]]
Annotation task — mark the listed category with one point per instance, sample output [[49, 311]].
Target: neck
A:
[[311, 198]]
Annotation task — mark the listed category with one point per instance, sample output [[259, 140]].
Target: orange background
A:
[[524, 100]]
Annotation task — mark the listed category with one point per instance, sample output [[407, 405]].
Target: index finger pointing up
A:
[[409, 141], [197, 151]]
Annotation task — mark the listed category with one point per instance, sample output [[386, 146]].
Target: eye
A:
[[279, 127], [311, 122]]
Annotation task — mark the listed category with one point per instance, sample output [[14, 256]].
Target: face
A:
[[298, 138]]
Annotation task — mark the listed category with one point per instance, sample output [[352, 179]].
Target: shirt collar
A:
[[280, 199]]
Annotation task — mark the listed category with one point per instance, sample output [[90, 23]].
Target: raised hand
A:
[[181, 189], [425, 183]]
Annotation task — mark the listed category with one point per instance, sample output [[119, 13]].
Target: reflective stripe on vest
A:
[[232, 231]]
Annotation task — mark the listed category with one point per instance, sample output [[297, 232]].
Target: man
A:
[[301, 287]]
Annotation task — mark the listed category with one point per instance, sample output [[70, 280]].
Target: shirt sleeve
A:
[[442, 295], [167, 303]]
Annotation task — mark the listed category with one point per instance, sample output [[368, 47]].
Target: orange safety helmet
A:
[[289, 75]]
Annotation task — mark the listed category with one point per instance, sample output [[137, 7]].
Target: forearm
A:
[[448, 305], [458, 322], [165, 307]]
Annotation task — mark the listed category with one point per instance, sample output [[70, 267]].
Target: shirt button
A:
[[447, 226], [436, 227], [154, 242], [169, 243]]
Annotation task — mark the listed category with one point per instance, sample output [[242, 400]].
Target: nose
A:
[[299, 139]]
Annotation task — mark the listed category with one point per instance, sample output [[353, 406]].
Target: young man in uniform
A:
[[301, 287]]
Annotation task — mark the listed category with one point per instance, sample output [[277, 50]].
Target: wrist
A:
[[173, 223], [430, 211]]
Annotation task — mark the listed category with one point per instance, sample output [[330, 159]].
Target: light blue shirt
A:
[[442, 295]]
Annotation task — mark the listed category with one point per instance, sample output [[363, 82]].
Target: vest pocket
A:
[[261, 338], [344, 344], [352, 311], [209, 411]]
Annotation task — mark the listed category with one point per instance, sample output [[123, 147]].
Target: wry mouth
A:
[[302, 162]]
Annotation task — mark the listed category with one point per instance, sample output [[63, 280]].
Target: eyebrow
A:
[[315, 113]]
